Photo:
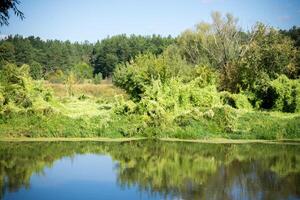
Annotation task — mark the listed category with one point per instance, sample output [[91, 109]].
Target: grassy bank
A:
[[94, 117]]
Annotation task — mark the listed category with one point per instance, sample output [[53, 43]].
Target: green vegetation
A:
[[213, 81], [54, 60], [121, 48]]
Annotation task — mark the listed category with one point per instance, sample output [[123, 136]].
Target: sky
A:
[[92, 20]]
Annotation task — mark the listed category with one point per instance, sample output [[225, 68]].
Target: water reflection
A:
[[150, 169]]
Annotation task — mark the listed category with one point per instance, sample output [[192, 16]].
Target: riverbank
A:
[[59, 139], [206, 141], [104, 124]]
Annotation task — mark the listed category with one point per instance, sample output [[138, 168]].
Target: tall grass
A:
[[105, 89]]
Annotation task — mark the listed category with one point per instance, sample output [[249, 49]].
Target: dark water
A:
[[148, 170]]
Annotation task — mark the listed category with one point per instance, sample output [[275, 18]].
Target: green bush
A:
[[188, 117], [225, 117], [57, 76], [285, 94], [82, 71], [238, 101], [2, 99], [204, 76], [204, 97], [97, 78], [19, 93], [293, 128], [135, 76], [36, 70], [169, 105], [125, 107]]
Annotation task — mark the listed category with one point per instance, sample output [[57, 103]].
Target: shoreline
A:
[[234, 141], [73, 139], [207, 141]]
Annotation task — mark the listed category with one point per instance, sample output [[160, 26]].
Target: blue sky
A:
[[79, 20]]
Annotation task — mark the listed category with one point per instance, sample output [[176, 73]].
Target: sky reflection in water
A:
[[148, 170]]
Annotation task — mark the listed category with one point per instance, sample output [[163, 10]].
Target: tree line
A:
[[53, 59]]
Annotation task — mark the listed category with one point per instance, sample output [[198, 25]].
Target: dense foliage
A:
[[45, 57], [210, 75], [18, 93], [53, 59], [121, 48], [235, 61], [294, 34]]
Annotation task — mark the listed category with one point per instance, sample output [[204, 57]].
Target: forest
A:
[[213, 80]]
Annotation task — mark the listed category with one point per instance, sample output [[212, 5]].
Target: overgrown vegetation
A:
[[213, 81], [19, 94]]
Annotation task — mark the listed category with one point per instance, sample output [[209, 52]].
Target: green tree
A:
[[267, 55], [51, 54], [121, 49], [294, 34], [214, 44], [24, 52], [36, 70], [7, 52], [82, 71]]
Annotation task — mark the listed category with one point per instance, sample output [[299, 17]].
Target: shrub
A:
[[125, 107], [204, 97], [36, 70], [225, 117], [186, 118], [285, 94], [293, 128], [170, 104], [135, 76], [204, 76], [19, 93], [82, 71], [2, 99], [97, 78], [239, 101], [57, 76]]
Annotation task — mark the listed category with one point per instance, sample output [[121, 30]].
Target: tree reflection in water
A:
[[177, 169]]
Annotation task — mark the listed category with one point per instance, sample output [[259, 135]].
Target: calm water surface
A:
[[148, 170]]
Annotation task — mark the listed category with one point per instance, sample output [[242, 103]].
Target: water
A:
[[148, 170]]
